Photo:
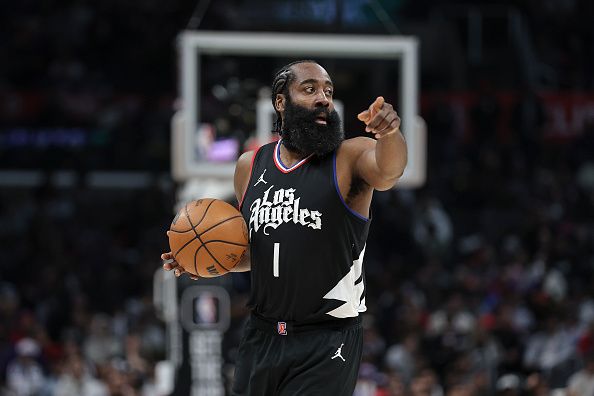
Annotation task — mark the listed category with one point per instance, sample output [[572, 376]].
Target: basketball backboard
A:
[[188, 129]]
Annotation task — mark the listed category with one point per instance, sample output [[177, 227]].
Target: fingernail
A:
[[177, 273]]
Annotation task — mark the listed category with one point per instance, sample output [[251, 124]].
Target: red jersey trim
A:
[[279, 164]]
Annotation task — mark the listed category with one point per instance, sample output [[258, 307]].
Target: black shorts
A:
[[305, 361]]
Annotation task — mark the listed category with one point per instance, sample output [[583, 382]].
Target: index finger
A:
[[374, 108], [378, 103]]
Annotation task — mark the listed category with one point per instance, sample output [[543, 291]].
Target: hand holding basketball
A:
[[169, 264], [207, 237]]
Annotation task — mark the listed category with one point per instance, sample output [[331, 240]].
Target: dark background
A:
[[481, 282]]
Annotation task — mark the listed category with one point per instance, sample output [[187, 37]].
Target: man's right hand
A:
[[169, 264]]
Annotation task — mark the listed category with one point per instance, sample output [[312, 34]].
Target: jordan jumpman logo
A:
[[339, 353], [261, 179]]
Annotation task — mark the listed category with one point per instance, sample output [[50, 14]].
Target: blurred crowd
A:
[[76, 310], [480, 283]]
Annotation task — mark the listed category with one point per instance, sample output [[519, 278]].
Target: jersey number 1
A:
[[275, 260]]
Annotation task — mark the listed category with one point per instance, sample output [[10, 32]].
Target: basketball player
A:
[[306, 201]]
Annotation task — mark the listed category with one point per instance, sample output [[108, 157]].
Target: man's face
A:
[[310, 122]]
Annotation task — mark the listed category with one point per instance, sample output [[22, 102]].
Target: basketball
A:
[[208, 237]]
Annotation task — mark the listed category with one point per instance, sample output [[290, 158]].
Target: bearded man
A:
[[306, 200]]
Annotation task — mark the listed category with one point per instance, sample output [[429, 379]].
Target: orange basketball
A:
[[208, 237]]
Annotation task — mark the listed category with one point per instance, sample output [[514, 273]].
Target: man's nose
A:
[[322, 100]]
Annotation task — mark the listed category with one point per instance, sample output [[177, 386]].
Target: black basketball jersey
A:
[[307, 245]]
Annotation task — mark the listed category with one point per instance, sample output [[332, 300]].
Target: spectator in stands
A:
[[403, 358], [100, 345], [550, 347], [77, 380], [581, 383], [509, 385], [24, 375]]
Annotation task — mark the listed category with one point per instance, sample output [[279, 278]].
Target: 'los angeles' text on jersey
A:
[[281, 206]]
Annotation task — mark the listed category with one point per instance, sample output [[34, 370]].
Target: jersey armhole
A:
[[250, 178], [358, 215]]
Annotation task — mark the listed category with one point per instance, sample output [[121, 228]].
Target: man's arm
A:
[[242, 174], [380, 163], [240, 181]]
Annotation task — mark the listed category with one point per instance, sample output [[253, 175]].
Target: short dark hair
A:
[[280, 85]]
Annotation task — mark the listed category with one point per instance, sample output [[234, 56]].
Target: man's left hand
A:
[[380, 119]]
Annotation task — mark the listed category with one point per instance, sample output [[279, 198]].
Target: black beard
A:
[[303, 135]]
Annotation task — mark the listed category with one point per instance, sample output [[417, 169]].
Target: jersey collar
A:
[[279, 164]]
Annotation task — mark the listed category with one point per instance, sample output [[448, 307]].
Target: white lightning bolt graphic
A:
[[347, 291]]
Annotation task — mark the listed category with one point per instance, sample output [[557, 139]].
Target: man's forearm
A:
[[391, 155]]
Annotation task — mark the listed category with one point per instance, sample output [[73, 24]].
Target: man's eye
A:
[[329, 92], [309, 89]]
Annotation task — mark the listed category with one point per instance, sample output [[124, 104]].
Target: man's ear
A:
[[279, 102]]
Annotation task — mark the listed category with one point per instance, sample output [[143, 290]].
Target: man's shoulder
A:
[[247, 157], [355, 145]]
